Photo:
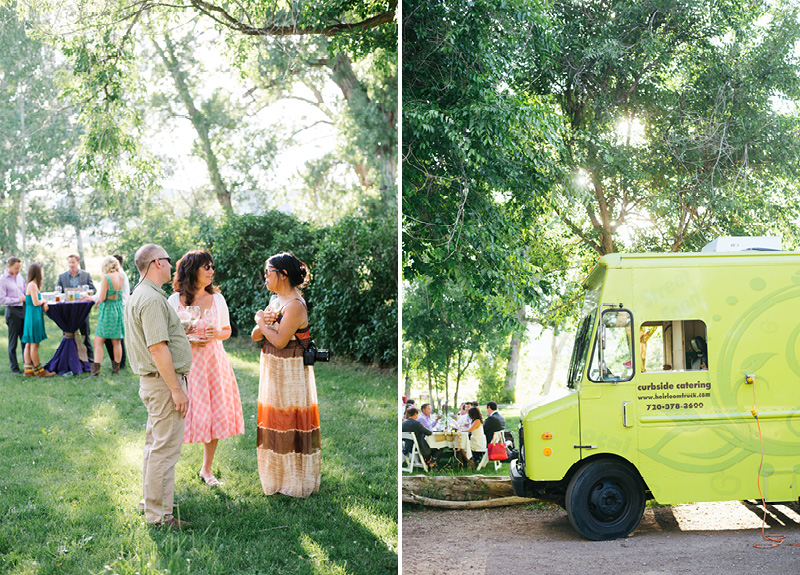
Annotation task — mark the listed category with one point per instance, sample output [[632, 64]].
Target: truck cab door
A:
[[607, 396]]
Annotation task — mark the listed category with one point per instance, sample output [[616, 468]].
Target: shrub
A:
[[240, 247], [354, 290]]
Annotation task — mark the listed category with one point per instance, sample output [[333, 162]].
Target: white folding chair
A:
[[413, 458], [498, 437]]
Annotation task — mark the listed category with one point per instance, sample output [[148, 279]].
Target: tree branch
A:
[[221, 16]]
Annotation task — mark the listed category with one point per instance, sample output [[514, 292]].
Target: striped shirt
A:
[[150, 320]]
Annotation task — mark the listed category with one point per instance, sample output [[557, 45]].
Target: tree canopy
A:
[[539, 135]]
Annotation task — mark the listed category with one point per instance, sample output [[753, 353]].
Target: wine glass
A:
[[185, 318], [274, 306], [210, 317], [84, 289], [194, 314], [274, 303]]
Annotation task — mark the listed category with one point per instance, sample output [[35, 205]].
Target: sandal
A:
[[211, 481]]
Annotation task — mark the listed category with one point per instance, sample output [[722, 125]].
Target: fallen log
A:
[[459, 488], [483, 504], [461, 492]]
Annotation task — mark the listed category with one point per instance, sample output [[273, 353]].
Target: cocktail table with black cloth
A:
[[69, 316]]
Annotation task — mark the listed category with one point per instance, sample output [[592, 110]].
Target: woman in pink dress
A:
[[215, 410]]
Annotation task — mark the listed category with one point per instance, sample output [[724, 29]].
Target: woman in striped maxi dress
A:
[[288, 438]]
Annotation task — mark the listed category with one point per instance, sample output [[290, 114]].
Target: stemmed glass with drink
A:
[[210, 319], [274, 306], [194, 317], [183, 315]]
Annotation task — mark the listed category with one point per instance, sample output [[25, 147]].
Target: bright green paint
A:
[[750, 306]]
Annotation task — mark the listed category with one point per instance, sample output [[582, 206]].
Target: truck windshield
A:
[[579, 350]]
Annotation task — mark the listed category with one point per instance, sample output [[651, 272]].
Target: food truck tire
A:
[[605, 499]]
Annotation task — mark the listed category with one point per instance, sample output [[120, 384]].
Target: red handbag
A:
[[497, 451]]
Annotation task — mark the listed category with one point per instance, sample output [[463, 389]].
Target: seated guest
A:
[[477, 439], [462, 420], [494, 421], [413, 425], [425, 417]]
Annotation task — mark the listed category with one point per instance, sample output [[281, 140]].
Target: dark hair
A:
[[287, 263], [410, 402], [183, 281], [423, 406], [473, 403], [411, 412], [118, 258], [12, 260], [35, 274], [475, 413], [492, 405]]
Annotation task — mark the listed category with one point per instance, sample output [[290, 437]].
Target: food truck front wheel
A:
[[605, 499]]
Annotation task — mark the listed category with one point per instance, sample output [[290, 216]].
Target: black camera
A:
[[311, 355]]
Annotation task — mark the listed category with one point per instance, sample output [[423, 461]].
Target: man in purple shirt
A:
[[12, 295], [425, 417]]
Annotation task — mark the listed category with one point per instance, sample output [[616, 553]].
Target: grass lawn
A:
[[71, 449], [512, 425]]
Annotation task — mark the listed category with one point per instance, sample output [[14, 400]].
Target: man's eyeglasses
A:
[[169, 260]]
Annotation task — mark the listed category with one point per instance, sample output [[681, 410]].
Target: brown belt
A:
[[158, 375]]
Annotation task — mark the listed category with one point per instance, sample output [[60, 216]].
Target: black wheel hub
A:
[[607, 500]]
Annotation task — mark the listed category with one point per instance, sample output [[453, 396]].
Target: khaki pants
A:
[[162, 447]]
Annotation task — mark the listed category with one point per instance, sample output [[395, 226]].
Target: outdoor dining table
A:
[[450, 440], [69, 316]]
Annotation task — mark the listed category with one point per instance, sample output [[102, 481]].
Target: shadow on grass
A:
[[73, 447]]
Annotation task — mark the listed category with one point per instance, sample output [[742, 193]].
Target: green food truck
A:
[[684, 386]]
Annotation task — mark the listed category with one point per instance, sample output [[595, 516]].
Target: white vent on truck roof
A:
[[742, 243]]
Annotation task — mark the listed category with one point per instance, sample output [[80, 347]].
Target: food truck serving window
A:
[[678, 345], [612, 359]]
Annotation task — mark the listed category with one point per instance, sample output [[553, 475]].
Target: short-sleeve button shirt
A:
[[149, 320]]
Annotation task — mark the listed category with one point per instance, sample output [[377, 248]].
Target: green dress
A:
[[110, 316], [33, 331]]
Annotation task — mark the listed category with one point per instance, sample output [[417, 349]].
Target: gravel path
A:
[[698, 539]]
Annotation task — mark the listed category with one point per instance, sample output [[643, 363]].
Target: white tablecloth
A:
[[450, 439]]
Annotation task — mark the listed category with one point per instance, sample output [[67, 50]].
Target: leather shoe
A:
[[173, 524]]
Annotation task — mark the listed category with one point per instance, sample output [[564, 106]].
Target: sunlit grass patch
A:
[[72, 452]]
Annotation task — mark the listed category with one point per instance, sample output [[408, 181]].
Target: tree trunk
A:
[[556, 345], [512, 368], [199, 121], [343, 76], [22, 195]]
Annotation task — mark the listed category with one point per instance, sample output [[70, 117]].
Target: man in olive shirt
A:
[[160, 354]]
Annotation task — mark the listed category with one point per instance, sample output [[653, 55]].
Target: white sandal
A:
[[211, 481]]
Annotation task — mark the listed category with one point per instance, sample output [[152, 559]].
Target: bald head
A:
[[146, 254]]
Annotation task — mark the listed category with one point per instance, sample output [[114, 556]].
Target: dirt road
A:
[[699, 539]]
